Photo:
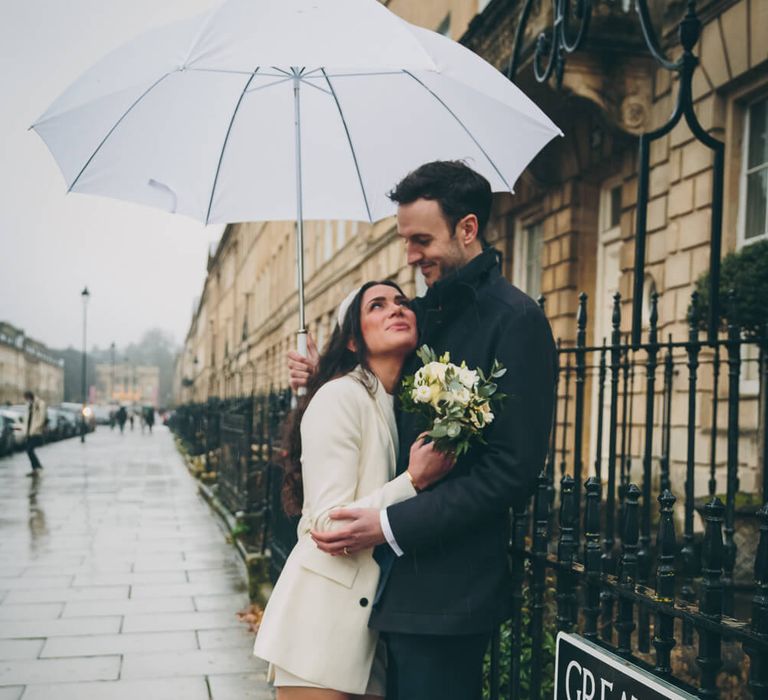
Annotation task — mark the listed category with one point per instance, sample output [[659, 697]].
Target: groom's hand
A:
[[361, 531]]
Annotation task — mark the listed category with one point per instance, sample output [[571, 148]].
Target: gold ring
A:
[[346, 551]]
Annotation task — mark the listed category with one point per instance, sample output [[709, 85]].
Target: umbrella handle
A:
[[301, 347]]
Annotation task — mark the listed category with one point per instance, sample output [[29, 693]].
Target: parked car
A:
[[7, 439], [19, 422], [101, 413], [58, 425], [72, 419]]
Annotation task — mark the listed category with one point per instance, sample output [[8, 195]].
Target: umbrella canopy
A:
[[201, 117], [283, 109]]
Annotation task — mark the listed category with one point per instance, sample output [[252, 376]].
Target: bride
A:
[[341, 452]]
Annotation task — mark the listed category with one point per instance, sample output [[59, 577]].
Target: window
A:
[[755, 173], [444, 27], [528, 252], [754, 215]]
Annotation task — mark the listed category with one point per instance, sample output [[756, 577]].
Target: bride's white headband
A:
[[341, 314]]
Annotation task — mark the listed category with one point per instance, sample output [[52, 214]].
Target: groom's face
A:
[[430, 244]]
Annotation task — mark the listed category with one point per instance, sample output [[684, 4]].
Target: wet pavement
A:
[[116, 579]]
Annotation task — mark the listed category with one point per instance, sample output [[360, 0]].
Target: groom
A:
[[446, 581]]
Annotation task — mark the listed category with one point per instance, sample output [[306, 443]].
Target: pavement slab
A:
[[11, 649], [161, 689], [106, 644], [244, 686], [44, 611], [116, 579], [187, 663], [26, 672]]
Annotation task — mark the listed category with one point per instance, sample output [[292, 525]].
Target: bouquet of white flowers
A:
[[455, 401]]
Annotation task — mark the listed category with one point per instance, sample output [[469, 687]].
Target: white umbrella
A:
[[283, 109]]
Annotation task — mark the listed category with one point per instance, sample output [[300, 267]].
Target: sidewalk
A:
[[116, 581]]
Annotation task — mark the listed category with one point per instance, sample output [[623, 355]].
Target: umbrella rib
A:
[[366, 75], [316, 87], [351, 145], [463, 126], [272, 84], [224, 145], [114, 126]]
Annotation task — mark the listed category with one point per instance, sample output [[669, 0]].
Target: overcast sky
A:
[[143, 267]]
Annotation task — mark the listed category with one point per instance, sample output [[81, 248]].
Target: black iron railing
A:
[[612, 569]]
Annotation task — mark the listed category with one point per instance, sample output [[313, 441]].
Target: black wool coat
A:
[[454, 575]]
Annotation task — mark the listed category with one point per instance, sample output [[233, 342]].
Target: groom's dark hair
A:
[[457, 188]]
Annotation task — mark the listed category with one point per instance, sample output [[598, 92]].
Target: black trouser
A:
[[434, 667], [33, 441]]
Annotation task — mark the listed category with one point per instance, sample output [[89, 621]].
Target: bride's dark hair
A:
[[336, 360]]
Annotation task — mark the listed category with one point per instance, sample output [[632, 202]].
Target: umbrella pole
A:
[[301, 335]]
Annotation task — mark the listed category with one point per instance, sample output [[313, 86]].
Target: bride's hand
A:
[[428, 465]]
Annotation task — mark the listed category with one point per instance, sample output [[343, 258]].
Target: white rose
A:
[[435, 370], [422, 393], [487, 414], [461, 397], [468, 377]]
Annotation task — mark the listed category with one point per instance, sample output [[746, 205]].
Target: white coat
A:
[[315, 625]]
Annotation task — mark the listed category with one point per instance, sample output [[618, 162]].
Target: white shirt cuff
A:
[[388, 534]]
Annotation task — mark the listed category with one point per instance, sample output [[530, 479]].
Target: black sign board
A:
[[586, 671]]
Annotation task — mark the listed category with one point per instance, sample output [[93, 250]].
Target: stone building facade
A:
[[124, 383], [570, 226], [26, 363]]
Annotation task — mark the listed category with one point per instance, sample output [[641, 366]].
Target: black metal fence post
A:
[[734, 372], [625, 624], [578, 420], [609, 541], [592, 557], [666, 546], [666, 419], [713, 430], [688, 556], [566, 549], [601, 374], [644, 550], [711, 598]]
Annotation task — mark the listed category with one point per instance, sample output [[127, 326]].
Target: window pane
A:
[[758, 134], [615, 217], [757, 192], [534, 247]]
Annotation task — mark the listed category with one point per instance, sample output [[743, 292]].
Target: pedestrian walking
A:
[[36, 417], [122, 416], [149, 417], [131, 419]]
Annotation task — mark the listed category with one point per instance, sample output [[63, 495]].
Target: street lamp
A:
[[112, 381], [85, 295]]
